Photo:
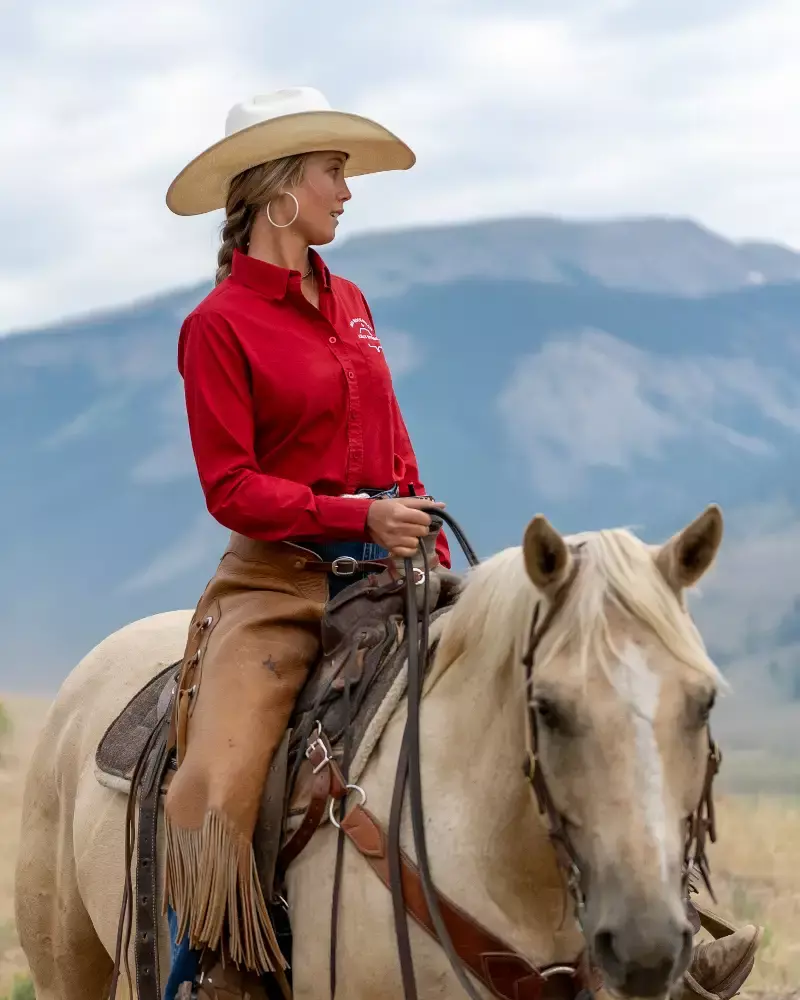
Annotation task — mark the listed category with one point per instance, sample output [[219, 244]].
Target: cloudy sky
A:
[[577, 107]]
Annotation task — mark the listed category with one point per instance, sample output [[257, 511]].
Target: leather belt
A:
[[346, 566]]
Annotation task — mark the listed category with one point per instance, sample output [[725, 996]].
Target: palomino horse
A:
[[621, 688]]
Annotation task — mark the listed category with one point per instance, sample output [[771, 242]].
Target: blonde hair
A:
[[250, 191]]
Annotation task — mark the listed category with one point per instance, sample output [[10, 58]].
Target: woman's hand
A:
[[397, 523]]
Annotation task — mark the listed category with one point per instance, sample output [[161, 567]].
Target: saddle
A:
[[349, 696]]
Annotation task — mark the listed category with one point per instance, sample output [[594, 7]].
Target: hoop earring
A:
[[293, 218]]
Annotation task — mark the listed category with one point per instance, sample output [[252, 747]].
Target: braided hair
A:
[[250, 191]]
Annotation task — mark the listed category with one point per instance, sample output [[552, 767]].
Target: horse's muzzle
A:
[[643, 956]]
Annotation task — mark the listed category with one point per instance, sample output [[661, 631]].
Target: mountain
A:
[[622, 373], [672, 256]]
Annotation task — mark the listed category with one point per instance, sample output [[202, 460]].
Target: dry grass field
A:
[[756, 864], [26, 715]]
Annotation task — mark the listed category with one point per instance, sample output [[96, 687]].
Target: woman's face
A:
[[320, 196]]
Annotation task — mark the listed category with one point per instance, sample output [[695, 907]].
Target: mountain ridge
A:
[[355, 258]]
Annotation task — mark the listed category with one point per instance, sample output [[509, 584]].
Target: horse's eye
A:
[[548, 714], [707, 706]]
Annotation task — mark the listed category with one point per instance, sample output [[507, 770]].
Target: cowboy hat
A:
[[283, 123]]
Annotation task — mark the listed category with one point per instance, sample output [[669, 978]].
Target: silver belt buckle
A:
[[340, 561]]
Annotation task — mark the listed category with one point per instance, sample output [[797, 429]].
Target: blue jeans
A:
[[184, 960]]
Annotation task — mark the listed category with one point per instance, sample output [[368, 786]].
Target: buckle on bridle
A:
[[351, 563], [318, 743]]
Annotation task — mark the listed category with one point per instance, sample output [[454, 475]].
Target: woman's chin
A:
[[325, 234]]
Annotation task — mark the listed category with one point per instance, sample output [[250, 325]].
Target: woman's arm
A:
[[238, 494]]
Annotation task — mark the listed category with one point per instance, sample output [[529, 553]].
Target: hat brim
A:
[[202, 185]]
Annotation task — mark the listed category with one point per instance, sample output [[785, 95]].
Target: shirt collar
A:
[[271, 280]]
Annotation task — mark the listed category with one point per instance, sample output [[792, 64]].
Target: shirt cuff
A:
[[344, 517]]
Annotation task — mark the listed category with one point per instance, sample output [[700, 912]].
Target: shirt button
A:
[[331, 340], [351, 374]]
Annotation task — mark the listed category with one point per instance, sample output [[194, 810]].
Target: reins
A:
[[409, 771]]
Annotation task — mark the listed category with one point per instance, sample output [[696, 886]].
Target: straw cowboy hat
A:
[[295, 120]]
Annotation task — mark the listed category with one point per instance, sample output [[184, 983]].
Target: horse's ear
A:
[[547, 558], [688, 554]]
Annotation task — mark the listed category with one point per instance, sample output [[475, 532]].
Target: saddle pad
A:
[[124, 740]]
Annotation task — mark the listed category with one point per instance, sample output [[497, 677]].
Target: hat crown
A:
[[263, 107]]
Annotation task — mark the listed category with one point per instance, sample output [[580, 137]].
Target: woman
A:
[[303, 454]]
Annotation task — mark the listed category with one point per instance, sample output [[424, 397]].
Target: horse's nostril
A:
[[605, 953]]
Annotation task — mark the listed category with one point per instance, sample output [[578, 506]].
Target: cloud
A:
[[576, 107], [202, 540], [678, 17], [588, 400]]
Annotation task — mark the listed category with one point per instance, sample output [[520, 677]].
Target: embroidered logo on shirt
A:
[[364, 331]]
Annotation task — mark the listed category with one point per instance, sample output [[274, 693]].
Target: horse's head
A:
[[621, 690]]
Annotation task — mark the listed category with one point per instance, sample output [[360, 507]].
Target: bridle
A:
[[566, 855], [700, 824]]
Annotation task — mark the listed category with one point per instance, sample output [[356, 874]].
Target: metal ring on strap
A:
[[557, 970], [350, 788]]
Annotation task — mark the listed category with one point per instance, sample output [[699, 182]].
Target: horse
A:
[[620, 690]]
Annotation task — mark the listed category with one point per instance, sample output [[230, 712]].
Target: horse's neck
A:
[[488, 847]]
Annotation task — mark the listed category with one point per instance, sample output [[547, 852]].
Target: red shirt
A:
[[290, 406]]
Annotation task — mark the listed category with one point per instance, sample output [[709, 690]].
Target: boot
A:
[[719, 969], [227, 982]]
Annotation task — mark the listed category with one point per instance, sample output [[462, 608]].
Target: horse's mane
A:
[[617, 569]]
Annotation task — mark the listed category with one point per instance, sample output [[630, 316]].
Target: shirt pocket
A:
[[375, 363]]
